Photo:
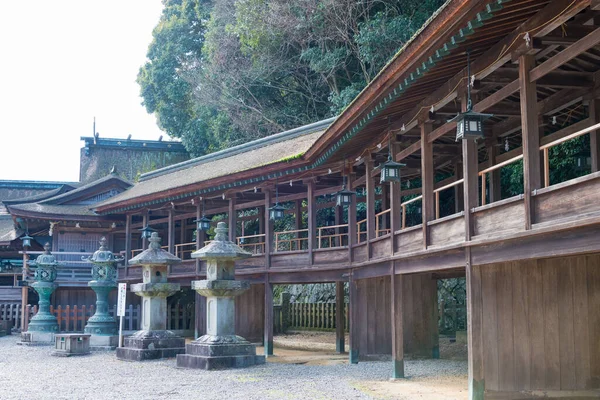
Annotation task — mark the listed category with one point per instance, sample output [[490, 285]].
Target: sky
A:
[[62, 63]]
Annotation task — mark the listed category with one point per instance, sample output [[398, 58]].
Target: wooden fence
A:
[[319, 316], [74, 318]]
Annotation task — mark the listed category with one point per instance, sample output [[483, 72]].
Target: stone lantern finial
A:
[[154, 241], [103, 244], [47, 248], [221, 232]]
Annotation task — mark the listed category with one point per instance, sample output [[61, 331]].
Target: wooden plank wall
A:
[[249, 315], [419, 294], [541, 324], [86, 297]]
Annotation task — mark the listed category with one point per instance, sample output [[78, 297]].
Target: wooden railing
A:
[[380, 217], [255, 244], [319, 316], [328, 240], [403, 205], [545, 147], [291, 240], [437, 191], [483, 173], [359, 232]]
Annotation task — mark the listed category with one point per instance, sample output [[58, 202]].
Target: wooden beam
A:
[[470, 183], [370, 204], [428, 206], [268, 226], [200, 235], [408, 151], [475, 330], [354, 320], [352, 239], [395, 208], [565, 56], [340, 319], [531, 139], [397, 325], [594, 108], [268, 320], [232, 219], [127, 241], [312, 221], [144, 223], [171, 232]]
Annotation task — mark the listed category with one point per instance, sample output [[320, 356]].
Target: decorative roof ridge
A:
[[25, 184], [231, 151], [146, 145], [38, 197], [81, 189]]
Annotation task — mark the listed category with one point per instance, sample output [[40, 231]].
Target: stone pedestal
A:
[[154, 340], [43, 325], [220, 348], [71, 344]]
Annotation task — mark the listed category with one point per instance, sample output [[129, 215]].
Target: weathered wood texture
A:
[[451, 230], [497, 218], [409, 239], [249, 315], [419, 309], [541, 324]]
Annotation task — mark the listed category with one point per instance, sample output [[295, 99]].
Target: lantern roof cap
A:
[[103, 254], [221, 247], [46, 259], [154, 255]]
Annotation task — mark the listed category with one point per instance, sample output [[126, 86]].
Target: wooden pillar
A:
[[298, 222], [171, 232], [312, 220], [354, 324], [261, 220], [494, 176], [385, 204], [127, 242], [395, 207], [474, 331], [428, 204], [232, 219], [594, 108], [397, 325], [199, 241], [182, 234], [145, 222], [459, 201], [25, 291], [470, 165], [531, 139], [268, 226], [340, 312], [352, 239], [370, 205], [268, 329]]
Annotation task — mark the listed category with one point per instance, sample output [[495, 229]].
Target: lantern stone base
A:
[[151, 345], [35, 338], [219, 352], [104, 342]]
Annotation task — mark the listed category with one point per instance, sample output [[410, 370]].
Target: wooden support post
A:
[[459, 201], [494, 187], [199, 240], [397, 325], [594, 108], [370, 187], [298, 223], [352, 239], [354, 325], [268, 229], [339, 317], [145, 222], [182, 237], [261, 220], [385, 204], [427, 206], [268, 339], [531, 138], [395, 207], [312, 219], [474, 330], [25, 292], [470, 183], [232, 219], [171, 232], [128, 254]]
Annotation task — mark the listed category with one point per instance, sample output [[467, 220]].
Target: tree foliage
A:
[[224, 72]]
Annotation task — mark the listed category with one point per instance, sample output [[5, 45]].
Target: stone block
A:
[[37, 338], [212, 363], [71, 344], [5, 327], [151, 345], [104, 342]]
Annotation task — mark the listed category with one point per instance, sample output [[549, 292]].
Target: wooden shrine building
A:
[[530, 252]]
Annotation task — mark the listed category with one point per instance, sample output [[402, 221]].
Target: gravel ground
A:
[[31, 373]]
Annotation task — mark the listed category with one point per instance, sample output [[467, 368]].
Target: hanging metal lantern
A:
[[203, 224], [390, 170], [344, 196], [147, 232], [26, 240], [276, 212], [469, 124]]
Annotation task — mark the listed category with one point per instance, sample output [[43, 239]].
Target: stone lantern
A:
[[154, 340], [102, 326], [220, 347], [43, 325]]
